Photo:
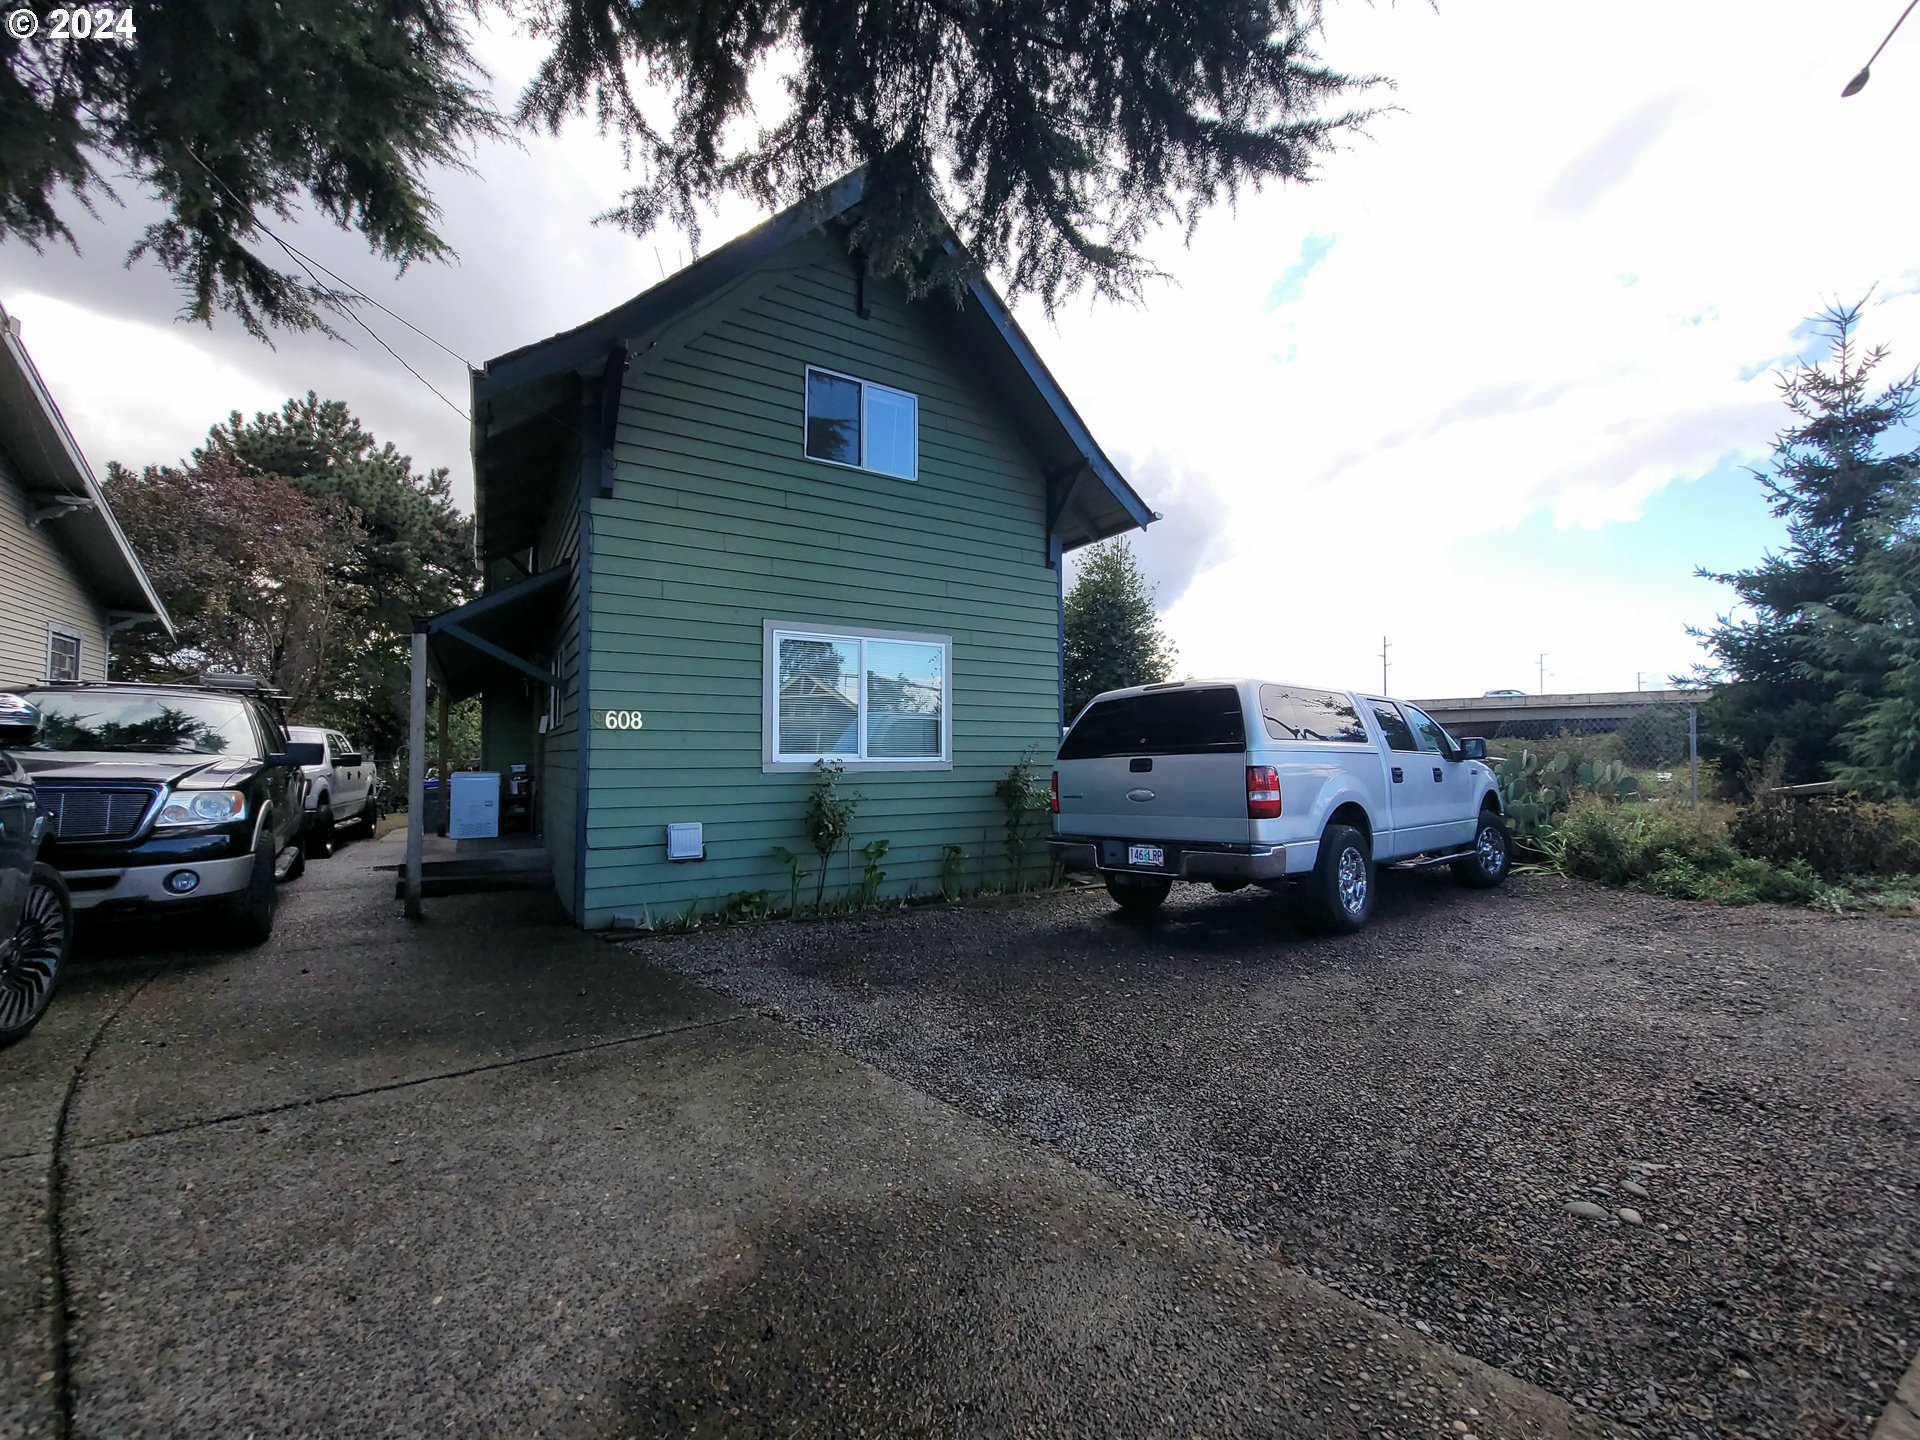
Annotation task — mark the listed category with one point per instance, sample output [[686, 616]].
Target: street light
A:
[[1859, 82]]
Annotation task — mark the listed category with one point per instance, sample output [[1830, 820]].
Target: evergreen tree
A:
[[1057, 135], [1114, 639], [1806, 661], [231, 112]]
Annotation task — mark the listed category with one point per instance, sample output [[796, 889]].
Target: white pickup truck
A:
[[1246, 782], [339, 783]]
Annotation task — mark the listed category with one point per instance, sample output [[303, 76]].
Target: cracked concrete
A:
[[494, 1177]]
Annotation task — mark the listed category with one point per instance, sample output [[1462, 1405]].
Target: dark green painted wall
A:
[[717, 522]]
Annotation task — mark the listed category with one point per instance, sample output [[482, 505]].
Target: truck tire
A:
[[1486, 866], [1138, 894], [320, 829], [31, 958], [1339, 892], [249, 913]]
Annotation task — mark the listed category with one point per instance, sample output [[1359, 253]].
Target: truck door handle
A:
[[1398, 776], [1436, 774]]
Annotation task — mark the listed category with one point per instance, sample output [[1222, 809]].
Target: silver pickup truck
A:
[[1249, 782]]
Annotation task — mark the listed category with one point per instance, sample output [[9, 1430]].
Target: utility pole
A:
[[1383, 664], [1543, 672]]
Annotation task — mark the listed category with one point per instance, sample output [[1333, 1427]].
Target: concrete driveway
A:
[[487, 1176]]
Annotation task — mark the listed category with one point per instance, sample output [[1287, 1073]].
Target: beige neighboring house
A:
[[68, 578]]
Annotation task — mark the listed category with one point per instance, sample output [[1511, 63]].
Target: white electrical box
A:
[[684, 842], [473, 805]]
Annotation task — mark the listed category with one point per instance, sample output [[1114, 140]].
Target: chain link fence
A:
[[1658, 745]]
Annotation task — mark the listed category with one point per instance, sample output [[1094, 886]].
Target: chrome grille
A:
[[94, 814]]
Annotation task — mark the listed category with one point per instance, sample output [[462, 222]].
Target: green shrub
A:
[[1674, 853], [1837, 837]]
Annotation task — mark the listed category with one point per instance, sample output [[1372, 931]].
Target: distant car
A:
[[166, 798], [339, 783], [36, 913], [1502, 694]]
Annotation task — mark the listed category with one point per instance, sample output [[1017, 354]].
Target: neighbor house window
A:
[[63, 655], [855, 422], [875, 699]]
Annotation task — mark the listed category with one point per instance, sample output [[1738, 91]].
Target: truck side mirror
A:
[[19, 721], [1473, 748]]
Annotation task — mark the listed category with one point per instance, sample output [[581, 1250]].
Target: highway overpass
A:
[[1533, 717]]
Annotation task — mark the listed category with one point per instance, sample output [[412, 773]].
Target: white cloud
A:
[[1549, 269]]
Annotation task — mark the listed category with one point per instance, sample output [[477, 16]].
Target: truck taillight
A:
[[1263, 792], [1056, 792]]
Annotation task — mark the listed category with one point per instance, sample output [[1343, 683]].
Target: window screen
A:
[[1294, 714], [858, 423], [63, 656], [1172, 722], [1399, 734]]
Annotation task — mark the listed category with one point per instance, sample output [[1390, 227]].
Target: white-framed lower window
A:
[[870, 699], [63, 654], [856, 423]]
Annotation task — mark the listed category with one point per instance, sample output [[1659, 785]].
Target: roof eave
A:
[[77, 479]]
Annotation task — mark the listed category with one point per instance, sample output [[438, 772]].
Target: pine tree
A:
[[231, 113], [1114, 639], [1055, 134], [1807, 662]]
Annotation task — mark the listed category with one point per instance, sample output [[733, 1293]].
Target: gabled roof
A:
[[58, 482], [1088, 498]]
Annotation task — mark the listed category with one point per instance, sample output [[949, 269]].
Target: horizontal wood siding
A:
[[719, 523], [558, 772], [38, 586]]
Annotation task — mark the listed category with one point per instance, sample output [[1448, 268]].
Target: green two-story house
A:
[[770, 511]]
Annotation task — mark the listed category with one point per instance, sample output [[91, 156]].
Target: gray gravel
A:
[[1411, 1114]]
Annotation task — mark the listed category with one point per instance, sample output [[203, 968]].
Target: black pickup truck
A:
[[166, 798]]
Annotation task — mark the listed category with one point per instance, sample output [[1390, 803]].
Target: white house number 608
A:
[[623, 719]]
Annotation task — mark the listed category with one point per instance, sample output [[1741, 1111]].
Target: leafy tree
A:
[[242, 561], [1114, 639], [409, 553], [295, 546], [1807, 659], [1055, 133]]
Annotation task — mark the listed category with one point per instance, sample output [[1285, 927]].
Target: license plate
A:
[[1146, 855]]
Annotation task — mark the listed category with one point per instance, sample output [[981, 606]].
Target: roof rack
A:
[[242, 685]]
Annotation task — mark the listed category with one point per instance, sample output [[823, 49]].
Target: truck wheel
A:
[[1138, 894], [1486, 867], [320, 830], [31, 957], [249, 914], [1339, 892]]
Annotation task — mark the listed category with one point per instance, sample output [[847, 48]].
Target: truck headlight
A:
[[203, 807]]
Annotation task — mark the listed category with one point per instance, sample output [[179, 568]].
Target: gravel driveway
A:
[[1408, 1113]]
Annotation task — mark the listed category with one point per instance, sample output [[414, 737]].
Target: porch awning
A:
[[497, 636]]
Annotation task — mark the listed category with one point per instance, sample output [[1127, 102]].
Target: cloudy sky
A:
[[1488, 388]]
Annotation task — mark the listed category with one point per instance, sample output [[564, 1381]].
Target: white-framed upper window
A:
[[63, 654], [871, 699], [860, 424]]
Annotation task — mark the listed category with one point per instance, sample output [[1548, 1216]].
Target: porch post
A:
[[446, 780], [416, 769]]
